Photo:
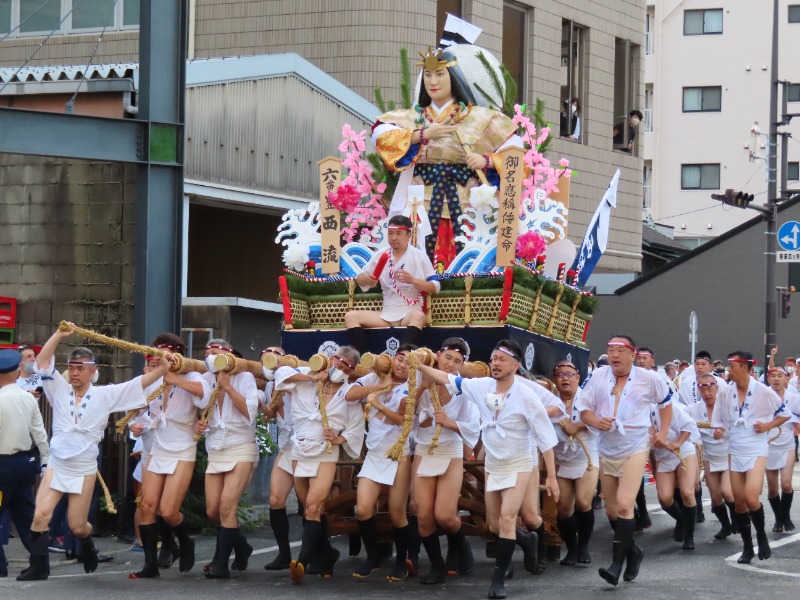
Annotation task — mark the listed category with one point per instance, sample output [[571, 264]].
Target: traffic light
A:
[[735, 198], [786, 297]]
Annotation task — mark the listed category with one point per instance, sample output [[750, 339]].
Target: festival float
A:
[[508, 273]]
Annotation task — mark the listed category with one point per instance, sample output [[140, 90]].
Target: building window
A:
[[574, 46], [130, 13], [702, 22], [443, 7], [793, 92], [626, 92], [515, 28], [35, 17], [794, 13], [648, 108], [92, 14], [5, 16], [794, 171], [700, 177], [39, 17], [702, 99]]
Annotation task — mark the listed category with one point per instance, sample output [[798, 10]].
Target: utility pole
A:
[[741, 199], [772, 193]]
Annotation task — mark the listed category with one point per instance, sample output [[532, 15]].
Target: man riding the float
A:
[[406, 274]]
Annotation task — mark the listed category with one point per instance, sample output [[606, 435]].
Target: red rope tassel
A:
[[287, 306], [508, 285]]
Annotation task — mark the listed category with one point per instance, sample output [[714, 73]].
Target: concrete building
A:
[[707, 81]]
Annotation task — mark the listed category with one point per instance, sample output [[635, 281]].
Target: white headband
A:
[[509, 352]]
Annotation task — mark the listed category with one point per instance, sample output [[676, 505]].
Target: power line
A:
[[25, 20], [75, 3], [70, 107], [726, 208]]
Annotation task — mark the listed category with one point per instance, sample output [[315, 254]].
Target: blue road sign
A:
[[789, 235]]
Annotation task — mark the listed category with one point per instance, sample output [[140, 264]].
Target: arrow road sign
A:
[[789, 235]]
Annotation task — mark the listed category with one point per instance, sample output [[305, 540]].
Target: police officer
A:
[[20, 420]]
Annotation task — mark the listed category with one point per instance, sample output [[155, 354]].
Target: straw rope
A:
[[396, 451], [677, 452], [574, 437], [276, 401], [776, 436], [129, 416], [110, 508], [212, 404], [436, 401], [368, 405], [179, 364], [323, 413], [110, 341]]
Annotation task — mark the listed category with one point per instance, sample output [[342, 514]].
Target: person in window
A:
[[570, 121], [634, 118]]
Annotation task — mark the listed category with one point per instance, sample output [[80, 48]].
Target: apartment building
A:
[[707, 83]]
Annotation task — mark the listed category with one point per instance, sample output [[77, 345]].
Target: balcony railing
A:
[[648, 43]]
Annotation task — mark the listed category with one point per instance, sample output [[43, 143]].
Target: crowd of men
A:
[[733, 430]]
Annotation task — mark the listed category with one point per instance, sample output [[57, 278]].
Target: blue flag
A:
[[596, 238]]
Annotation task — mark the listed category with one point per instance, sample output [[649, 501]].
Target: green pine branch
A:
[[405, 79], [495, 82], [537, 116], [510, 98], [379, 99]]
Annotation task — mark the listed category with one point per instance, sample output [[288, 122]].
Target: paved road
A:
[[668, 572]]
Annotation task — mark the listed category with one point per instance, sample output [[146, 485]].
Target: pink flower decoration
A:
[[530, 245], [359, 195], [345, 199]]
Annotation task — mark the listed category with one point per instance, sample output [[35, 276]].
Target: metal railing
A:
[[647, 191], [649, 48]]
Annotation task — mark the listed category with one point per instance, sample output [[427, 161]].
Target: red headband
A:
[[219, 347], [271, 351], [400, 227], [344, 361], [644, 353], [740, 360], [777, 370], [169, 346], [622, 344]]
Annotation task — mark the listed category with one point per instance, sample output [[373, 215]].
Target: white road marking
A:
[[731, 560], [274, 548]]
